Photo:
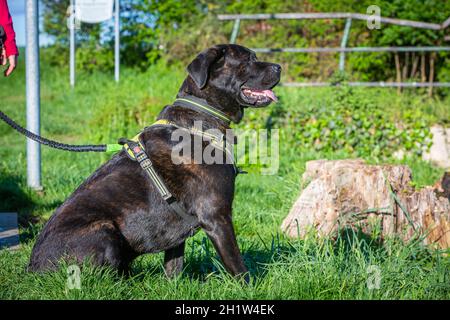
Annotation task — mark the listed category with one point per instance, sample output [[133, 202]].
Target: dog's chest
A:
[[149, 232]]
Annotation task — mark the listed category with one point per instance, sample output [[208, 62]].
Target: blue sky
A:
[[17, 9]]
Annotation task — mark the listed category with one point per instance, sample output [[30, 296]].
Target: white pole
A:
[[117, 42], [72, 42], [33, 93]]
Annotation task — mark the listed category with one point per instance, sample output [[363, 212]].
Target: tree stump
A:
[[350, 193]]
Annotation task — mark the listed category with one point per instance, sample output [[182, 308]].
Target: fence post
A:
[[234, 34], [33, 94], [72, 42], [117, 42], [348, 24]]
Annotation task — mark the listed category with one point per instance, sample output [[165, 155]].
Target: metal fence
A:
[[343, 49]]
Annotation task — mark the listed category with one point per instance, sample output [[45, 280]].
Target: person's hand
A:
[[11, 60]]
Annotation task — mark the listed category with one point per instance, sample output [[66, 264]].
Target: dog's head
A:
[[230, 75]]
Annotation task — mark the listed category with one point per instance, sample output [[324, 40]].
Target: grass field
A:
[[98, 110]]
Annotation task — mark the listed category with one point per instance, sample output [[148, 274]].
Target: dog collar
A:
[[190, 102], [201, 105]]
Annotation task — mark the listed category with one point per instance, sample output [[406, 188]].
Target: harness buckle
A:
[[133, 149]]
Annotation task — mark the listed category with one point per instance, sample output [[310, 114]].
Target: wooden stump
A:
[[346, 193]]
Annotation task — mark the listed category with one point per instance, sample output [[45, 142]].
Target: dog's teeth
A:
[[260, 93]]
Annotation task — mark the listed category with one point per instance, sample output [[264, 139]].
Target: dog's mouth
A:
[[258, 97]]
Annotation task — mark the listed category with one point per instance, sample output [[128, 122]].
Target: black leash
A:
[[136, 151], [44, 141], [52, 143]]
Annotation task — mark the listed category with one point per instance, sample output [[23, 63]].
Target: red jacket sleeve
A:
[[7, 24]]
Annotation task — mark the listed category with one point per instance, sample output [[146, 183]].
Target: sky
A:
[[17, 10]]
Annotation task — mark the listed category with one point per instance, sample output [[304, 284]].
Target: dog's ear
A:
[[198, 69]]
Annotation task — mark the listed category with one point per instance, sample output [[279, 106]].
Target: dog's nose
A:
[[276, 68]]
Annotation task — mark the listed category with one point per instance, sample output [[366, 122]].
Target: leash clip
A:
[[132, 148]]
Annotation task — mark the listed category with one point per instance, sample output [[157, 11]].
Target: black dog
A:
[[117, 214]]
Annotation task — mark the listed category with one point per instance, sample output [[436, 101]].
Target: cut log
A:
[[351, 193]]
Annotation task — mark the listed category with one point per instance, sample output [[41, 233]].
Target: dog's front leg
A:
[[173, 260], [221, 232]]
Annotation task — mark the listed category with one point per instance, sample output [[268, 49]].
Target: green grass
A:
[[98, 110]]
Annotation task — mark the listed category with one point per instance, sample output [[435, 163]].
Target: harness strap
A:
[[136, 151], [201, 105], [217, 141]]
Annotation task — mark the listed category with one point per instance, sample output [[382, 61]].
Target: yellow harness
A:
[[216, 141], [136, 152]]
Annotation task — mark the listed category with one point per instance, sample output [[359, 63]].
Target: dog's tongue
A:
[[266, 93], [270, 94]]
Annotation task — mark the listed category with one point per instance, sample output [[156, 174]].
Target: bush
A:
[[134, 104], [354, 122], [177, 30], [362, 122]]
